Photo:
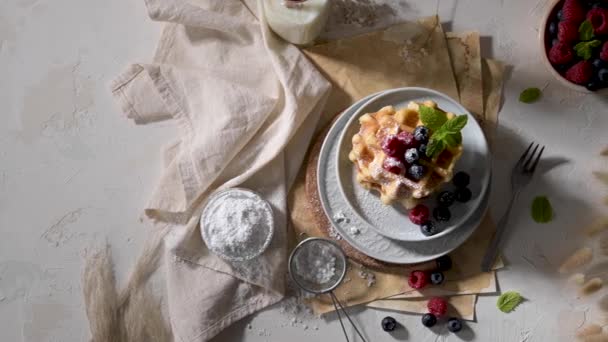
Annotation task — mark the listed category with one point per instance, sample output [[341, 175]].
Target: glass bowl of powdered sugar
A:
[[237, 224]]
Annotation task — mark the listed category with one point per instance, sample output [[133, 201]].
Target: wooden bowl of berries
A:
[[574, 36]]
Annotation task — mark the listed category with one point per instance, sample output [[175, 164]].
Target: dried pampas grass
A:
[[576, 261], [133, 314]]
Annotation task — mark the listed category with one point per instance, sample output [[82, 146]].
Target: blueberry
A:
[[442, 214], [443, 263], [411, 155], [422, 150], [429, 320], [416, 171], [598, 63], [454, 325], [553, 29], [602, 75], [461, 179], [599, 4], [446, 198], [463, 195], [560, 15], [593, 85], [421, 133], [437, 278], [562, 67], [389, 323], [428, 228], [554, 42]]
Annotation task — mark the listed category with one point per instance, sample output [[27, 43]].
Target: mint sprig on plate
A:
[[431, 117], [446, 133]]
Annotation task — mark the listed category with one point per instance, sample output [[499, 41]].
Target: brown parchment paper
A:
[[459, 306], [493, 72], [409, 54], [345, 63], [463, 278], [464, 49]]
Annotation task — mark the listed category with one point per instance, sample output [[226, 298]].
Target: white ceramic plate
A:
[[367, 240], [393, 221]]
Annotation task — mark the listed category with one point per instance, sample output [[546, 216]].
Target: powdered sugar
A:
[[366, 274], [390, 162], [237, 224], [316, 263], [333, 233], [339, 217]]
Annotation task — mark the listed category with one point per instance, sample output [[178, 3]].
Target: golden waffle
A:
[[368, 157]]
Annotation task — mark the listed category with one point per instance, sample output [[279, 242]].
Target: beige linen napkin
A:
[[246, 105]]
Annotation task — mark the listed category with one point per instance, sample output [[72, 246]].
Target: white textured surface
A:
[[74, 172]]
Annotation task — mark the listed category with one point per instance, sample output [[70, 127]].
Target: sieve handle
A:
[[331, 294], [335, 300]]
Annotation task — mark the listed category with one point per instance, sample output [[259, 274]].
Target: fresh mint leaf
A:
[[447, 135], [585, 31], [585, 49], [455, 124], [542, 212], [529, 95], [508, 301], [453, 140], [432, 118], [434, 147]]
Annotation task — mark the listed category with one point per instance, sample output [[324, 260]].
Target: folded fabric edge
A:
[[137, 96], [116, 87]]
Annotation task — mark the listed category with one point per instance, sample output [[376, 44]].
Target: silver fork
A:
[[521, 175]]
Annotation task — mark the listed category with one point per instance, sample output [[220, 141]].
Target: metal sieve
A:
[[304, 281]]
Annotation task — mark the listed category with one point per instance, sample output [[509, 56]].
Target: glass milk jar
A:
[[297, 21]]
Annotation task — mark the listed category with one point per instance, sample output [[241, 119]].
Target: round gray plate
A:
[[392, 221], [368, 241]]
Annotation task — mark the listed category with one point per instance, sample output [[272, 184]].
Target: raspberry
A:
[[580, 73], [392, 146], [393, 165], [573, 11], [567, 32], [561, 53], [437, 306], [599, 20], [604, 52], [419, 214], [407, 139], [418, 279]]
